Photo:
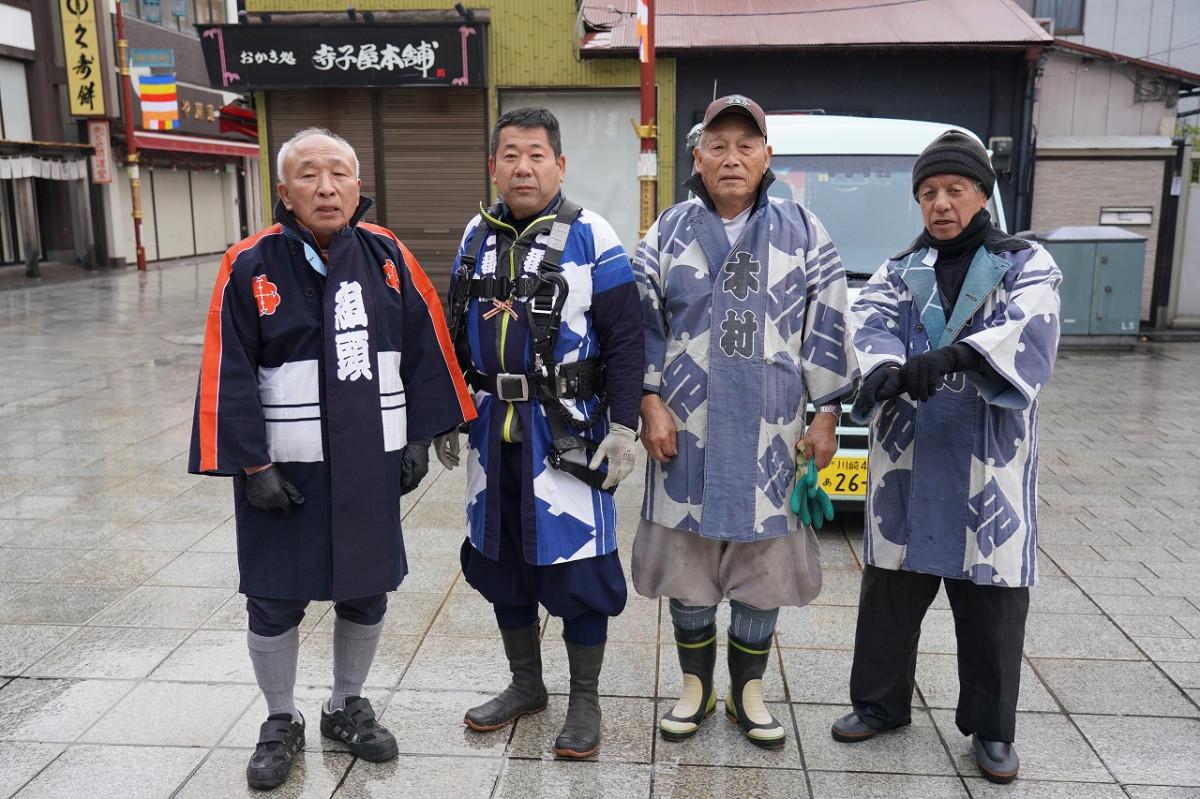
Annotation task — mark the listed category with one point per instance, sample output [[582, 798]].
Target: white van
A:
[[855, 174]]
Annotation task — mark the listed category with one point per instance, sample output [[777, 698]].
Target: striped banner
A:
[[160, 106]]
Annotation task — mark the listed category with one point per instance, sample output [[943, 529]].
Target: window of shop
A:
[[181, 15], [1067, 15]]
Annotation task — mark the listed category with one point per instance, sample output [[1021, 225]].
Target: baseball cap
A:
[[736, 104]]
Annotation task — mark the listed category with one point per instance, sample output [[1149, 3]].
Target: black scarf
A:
[[970, 240]]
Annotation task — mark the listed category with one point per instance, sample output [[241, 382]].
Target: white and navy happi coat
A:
[[952, 483], [562, 518], [738, 338], [326, 369]]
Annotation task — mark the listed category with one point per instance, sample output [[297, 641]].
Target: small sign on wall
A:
[[1127, 215], [98, 137]]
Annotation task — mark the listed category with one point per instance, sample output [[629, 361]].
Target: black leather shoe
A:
[[851, 729], [997, 761]]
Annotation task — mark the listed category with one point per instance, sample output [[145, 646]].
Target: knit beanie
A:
[[955, 153]]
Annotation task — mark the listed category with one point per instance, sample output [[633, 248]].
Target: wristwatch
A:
[[833, 407]]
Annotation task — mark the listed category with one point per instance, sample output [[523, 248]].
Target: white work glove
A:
[[618, 449], [446, 447]]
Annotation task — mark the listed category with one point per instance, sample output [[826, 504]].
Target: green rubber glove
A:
[[820, 506]]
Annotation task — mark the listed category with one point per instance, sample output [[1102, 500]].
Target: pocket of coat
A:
[[783, 389]]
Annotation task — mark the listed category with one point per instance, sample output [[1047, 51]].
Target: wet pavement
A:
[[123, 670]]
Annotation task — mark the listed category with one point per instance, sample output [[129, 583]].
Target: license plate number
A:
[[845, 478]]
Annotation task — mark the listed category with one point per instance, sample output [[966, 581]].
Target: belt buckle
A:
[[508, 383]]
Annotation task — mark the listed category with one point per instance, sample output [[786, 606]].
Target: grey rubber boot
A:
[[525, 694], [580, 736]]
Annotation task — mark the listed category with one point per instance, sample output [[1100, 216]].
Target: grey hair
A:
[[286, 149]]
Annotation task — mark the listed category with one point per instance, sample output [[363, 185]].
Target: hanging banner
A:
[[282, 56], [102, 159], [85, 80], [160, 106]]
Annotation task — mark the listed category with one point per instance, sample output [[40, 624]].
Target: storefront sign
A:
[[152, 57], [102, 171], [280, 56], [85, 83]]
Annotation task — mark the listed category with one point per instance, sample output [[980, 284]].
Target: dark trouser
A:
[[989, 623], [583, 593], [271, 617]]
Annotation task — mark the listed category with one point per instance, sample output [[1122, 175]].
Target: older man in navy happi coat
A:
[[327, 369]]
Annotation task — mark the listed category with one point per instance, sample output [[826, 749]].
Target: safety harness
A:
[[544, 295]]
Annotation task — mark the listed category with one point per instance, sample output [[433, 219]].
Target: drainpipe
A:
[[1023, 212]]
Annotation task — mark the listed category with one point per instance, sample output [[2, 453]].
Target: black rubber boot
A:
[[525, 694], [697, 650], [580, 736], [279, 739], [744, 702], [355, 726]]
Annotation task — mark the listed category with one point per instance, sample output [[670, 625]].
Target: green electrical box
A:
[[1102, 269]]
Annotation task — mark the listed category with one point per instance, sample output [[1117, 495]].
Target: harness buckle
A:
[[512, 387]]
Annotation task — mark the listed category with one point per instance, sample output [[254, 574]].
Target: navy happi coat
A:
[[328, 376]]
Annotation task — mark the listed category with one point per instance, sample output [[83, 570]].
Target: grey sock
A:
[[274, 659], [353, 650], [750, 624], [692, 617]]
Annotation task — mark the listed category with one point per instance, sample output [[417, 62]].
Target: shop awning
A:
[[45, 160], [204, 145]]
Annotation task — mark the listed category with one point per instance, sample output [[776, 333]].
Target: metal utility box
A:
[[1102, 279]]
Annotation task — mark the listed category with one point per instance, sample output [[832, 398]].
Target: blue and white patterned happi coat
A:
[[737, 339], [952, 486], [563, 518]]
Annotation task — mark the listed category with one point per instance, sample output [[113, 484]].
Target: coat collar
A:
[[986, 271]]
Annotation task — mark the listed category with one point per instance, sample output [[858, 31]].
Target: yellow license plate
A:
[[845, 478]]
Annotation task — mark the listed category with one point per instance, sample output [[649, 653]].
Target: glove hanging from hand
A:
[[881, 385], [269, 490], [446, 447], [414, 465], [618, 448], [809, 500]]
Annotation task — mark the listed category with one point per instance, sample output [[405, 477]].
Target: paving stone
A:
[[707, 782], [431, 723], [1076, 636], [20, 762], [31, 565], [817, 676], [525, 778], [627, 730], [838, 785], [422, 776], [1154, 751], [1144, 605], [163, 606], [114, 772], [461, 663], [818, 627], [915, 749], [209, 656], [173, 714], [1167, 649], [1048, 744], [468, 615], [108, 653], [55, 710], [22, 644], [314, 775], [113, 567], [59, 604], [211, 569], [1186, 675], [1160, 792], [1151, 627], [1033, 789], [1113, 686], [160, 536], [316, 659]]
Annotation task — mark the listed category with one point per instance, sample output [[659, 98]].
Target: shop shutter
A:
[[346, 112], [435, 168]]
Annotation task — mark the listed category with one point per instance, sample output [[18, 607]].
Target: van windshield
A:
[[864, 201]]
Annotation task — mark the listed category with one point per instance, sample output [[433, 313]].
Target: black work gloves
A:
[[922, 374], [269, 490], [881, 385], [414, 465]]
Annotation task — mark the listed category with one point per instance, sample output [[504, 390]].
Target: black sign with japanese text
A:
[[281, 56]]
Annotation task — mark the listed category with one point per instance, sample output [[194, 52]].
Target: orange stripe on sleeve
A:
[[430, 296], [210, 362]]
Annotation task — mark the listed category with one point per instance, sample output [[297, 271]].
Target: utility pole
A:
[[647, 168], [135, 183]]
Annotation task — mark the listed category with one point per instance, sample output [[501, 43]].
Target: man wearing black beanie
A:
[[956, 337]]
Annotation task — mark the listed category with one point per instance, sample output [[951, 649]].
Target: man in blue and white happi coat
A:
[[965, 324], [547, 325], [327, 369], [744, 299]]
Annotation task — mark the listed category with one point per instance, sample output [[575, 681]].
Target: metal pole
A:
[[648, 130], [135, 183]]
